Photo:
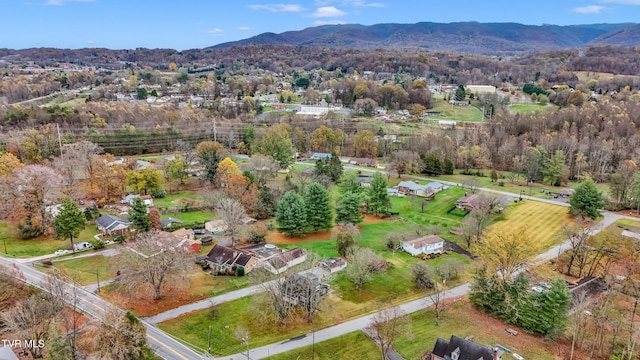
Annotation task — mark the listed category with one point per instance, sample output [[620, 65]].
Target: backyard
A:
[[42, 245]]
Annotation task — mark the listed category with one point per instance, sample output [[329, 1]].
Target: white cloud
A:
[[214, 32], [355, 3], [244, 28], [590, 9], [328, 11], [277, 7], [622, 2], [362, 3], [329, 22], [62, 2]]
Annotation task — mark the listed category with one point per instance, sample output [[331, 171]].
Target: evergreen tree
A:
[[139, 217], [334, 168], [586, 200], [349, 184], [460, 93], [266, 206], [432, 165], [448, 167], [318, 208], [291, 217], [378, 202], [69, 221], [348, 209]]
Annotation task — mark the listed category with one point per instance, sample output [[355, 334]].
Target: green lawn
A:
[[451, 112], [83, 270], [355, 345], [423, 334], [192, 216], [166, 202], [526, 108], [40, 246]]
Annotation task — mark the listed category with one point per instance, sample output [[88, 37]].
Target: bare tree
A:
[[387, 326], [152, 263], [31, 319], [64, 296], [577, 235], [363, 263], [122, 338], [74, 164], [233, 214], [263, 168], [437, 300]]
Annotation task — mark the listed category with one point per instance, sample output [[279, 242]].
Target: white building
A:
[[427, 245]]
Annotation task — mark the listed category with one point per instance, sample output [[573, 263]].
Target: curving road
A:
[[160, 342]]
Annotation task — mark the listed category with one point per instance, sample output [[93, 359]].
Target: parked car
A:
[[544, 285], [82, 246], [61, 252], [199, 232], [537, 289]]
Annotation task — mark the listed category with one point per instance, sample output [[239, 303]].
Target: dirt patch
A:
[[372, 219], [147, 307]]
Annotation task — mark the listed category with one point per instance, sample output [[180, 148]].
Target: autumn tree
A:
[[8, 162], [139, 217], [226, 170], [318, 210], [291, 216], [69, 221], [176, 169], [241, 189], [263, 168], [324, 140], [146, 180], [378, 202], [106, 179], [507, 251], [275, 141], [365, 145], [25, 196], [210, 153], [404, 162], [386, 327], [154, 217], [586, 200], [152, 264]]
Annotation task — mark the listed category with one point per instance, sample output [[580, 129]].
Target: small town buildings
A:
[[468, 202], [112, 225], [458, 348], [414, 188], [320, 156], [424, 245], [364, 162]]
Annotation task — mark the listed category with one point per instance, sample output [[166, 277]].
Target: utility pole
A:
[[209, 342], [59, 139], [98, 280], [215, 130]]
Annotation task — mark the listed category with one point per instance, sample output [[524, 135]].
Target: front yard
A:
[[42, 245]]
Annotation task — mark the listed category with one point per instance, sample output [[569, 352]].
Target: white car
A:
[[61, 252], [537, 289], [517, 356]]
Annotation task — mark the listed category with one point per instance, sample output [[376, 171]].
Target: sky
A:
[[188, 24]]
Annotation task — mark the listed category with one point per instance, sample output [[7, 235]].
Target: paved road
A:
[[162, 344]]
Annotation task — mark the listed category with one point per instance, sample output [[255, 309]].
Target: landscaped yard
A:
[[355, 345], [39, 246], [167, 201], [191, 216], [544, 221]]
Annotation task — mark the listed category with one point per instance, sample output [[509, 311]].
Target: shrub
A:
[[158, 193], [500, 183], [97, 244], [239, 271]]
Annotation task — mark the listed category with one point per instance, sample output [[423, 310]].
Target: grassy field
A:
[[83, 270], [544, 221], [192, 216], [355, 345], [167, 201], [39, 246], [526, 108], [451, 112], [461, 319]]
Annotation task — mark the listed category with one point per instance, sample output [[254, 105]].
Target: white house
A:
[[427, 245], [282, 262]]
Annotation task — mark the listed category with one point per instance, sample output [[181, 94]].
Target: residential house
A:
[[142, 164], [282, 262], [187, 239], [308, 172], [304, 288], [393, 192], [112, 225], [333, 265], [427, 245], [364, 180], [314, 110], [131, 198], [458, 348], [320, 156], [364, 162], [468, 202], [168, 221], [413, 188], [219, 226], [223, 259]]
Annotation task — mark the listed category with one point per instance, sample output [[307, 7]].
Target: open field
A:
[[526, 108], [191, 216], [451, 112], [83, 270], [355, 345], [167, 201], [544, 221], [42, 245]]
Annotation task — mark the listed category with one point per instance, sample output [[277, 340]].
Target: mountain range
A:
[[463, 37]]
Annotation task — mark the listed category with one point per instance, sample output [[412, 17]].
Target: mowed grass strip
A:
[[355, 345], [83, 270], [544, 221]]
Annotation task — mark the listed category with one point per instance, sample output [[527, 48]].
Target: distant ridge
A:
[[464, 37]]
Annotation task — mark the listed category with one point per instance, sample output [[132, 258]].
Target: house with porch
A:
[[112, 225]]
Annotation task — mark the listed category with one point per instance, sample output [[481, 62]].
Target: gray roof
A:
[[166, 222], [468, 349], [109, 222]]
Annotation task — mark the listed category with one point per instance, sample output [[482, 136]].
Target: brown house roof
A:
[[468, 200]]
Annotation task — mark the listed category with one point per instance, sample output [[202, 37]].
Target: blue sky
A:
[[187, 24]]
